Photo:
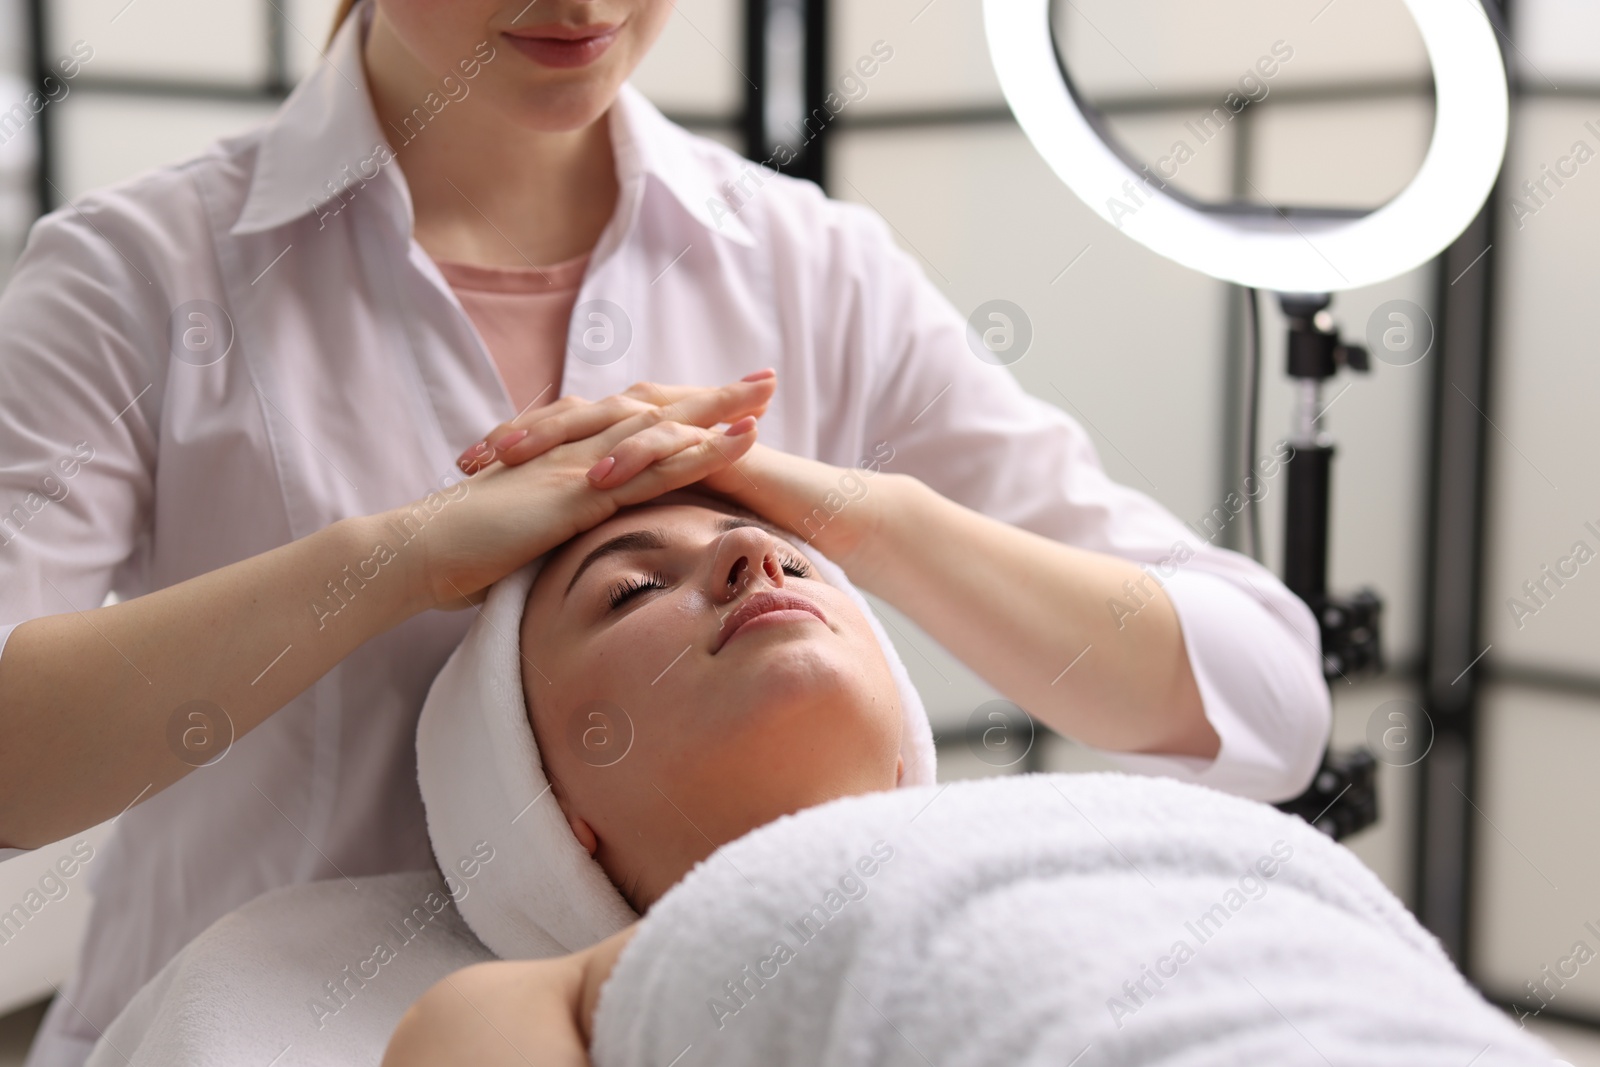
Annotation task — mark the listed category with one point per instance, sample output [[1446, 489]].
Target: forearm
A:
[[90, 700], [1030, 615]]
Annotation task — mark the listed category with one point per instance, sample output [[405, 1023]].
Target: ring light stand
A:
[[1304, 254]]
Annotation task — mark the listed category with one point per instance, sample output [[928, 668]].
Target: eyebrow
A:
[[653, 539]]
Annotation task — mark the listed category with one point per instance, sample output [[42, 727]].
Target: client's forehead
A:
[[695, 499]]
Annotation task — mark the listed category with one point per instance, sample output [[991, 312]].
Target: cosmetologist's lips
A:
[[563, 46]]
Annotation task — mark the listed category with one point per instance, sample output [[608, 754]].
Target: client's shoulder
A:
[[500, 1013]]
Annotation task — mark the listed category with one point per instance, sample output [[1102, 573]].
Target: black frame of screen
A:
[[1466, 299]]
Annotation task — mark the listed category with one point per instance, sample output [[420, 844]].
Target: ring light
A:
[[1286, 251]]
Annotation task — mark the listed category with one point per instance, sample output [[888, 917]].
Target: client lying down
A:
[[760, 790]]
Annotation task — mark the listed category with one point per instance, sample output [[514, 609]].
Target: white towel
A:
[[1037, 919], [482, 781], [314, 975]]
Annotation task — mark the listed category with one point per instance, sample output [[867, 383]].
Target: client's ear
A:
[[585, 835]]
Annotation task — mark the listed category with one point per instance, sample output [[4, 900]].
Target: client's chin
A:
[[807, 727]]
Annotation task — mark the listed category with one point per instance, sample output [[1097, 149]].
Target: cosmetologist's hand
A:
[[459, 543], [537, 430]]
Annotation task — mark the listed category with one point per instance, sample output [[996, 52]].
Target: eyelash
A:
[[626, 589]]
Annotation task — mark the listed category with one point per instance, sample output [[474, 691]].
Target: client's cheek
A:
[[583, 735]]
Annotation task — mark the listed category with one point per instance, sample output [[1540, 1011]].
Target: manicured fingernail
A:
[[743, 426], [509, 439], [756, 376], [476, 450], [601, 469]]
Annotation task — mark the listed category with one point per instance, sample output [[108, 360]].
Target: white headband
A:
[[482, 780]]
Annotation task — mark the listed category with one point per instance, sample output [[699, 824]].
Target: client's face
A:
[[691, 676]]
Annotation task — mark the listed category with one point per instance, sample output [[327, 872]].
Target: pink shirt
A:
[[521, 314], [195, 363]]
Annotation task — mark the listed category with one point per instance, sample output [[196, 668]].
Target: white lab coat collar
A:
[[327, 129]]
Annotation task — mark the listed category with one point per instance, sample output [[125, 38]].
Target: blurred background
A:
[[1460, 476]]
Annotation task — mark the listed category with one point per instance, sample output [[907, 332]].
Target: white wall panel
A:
[[18, 144], [1577, 1045], [171, 40], [310, 26], [13, 38], [1346, 154], [1387, 846], [698, 63], [940, 58], [1544, 479], [105, 138], [1537, 873], [1130, 46], [728, 138], [1143, 47], [1556, 42], [1130, 340], [1206, 172]]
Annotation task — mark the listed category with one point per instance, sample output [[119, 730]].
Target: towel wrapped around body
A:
[[1041, 919]]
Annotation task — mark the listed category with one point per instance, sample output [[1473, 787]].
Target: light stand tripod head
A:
[[1343, 797], [1315, 354]]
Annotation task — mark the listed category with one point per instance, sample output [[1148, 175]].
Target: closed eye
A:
[[629, 588]]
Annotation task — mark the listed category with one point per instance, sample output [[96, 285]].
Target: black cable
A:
[[1252, 416], [45, 125]]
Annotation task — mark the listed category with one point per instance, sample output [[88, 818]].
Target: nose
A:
[[745, 558]]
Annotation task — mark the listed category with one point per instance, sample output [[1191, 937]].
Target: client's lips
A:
[[761, 604], [563, 46]]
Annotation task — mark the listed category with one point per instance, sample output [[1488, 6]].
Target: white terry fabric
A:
[[482, 780], [1004, 924], [248, 989]]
